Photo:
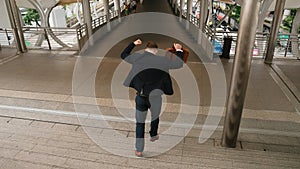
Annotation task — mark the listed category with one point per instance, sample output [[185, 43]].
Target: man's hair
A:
[[151, 44]]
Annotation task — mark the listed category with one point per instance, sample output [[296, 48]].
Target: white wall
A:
[[4, 19], [58, 18]]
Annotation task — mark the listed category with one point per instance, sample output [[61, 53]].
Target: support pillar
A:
[[181, 10], [279, 8], [13, 25], [203, 16], [107, 13], [188, 13], [241, 71], [118, 8], [87, 17], [15, 20], [296, 23]]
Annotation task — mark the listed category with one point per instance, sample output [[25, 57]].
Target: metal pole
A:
[[19, 26], [87, 16], [106, 11], [181, 10], [240, 73], [13, 25], [203, 15], [296, 23], [117, 8], [188, 13], [47, 38], [279, 8], [13, 12]]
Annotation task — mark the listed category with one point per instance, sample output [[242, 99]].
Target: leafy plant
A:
[[287, 23], [32, 15]]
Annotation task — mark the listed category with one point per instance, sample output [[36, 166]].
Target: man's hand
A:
[[177, 46], [138, 42]]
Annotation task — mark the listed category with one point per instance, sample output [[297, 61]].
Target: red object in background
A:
[[171, 53], [220, 17]]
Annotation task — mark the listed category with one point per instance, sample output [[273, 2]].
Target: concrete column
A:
[[210, 13], [279, 8], [13, 25], [118, 7], [189, 6], [181, 9], [107, 13], [296, 23], [203, 16], [241, 71], [189, 12], [87, 16], [14, 14]]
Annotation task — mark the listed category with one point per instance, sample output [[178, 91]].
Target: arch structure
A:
[[44, 8]]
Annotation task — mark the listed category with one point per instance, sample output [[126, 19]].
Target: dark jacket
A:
[[150, 71]]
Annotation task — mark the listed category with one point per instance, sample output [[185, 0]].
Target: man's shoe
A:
[[138, 154], [154, 138]]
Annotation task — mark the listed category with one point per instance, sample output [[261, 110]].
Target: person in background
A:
[[126, 8]]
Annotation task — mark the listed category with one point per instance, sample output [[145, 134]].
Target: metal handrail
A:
[[286, 43], [7, 32]]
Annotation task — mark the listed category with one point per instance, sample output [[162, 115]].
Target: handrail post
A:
[[278, 14], [88, 19]]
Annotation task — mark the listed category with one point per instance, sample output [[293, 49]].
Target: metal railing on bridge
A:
[[288, 45], [55, 38], [96, 24]]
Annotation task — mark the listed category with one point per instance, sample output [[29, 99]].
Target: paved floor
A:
[[6, 54], [41, 127]]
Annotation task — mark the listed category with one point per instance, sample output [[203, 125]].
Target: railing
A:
[[194, 20], [51, 38], [99, 21], [96, 24], [288, 45], [81, 31], [113, 14], [6, 37]]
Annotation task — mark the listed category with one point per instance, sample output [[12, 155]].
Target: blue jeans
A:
[[153, 102]]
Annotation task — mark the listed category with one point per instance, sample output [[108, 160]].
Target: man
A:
[[150, 77]]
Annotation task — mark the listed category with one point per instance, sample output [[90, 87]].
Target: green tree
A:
[[235, 14], [32, 15], [287, 23]]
